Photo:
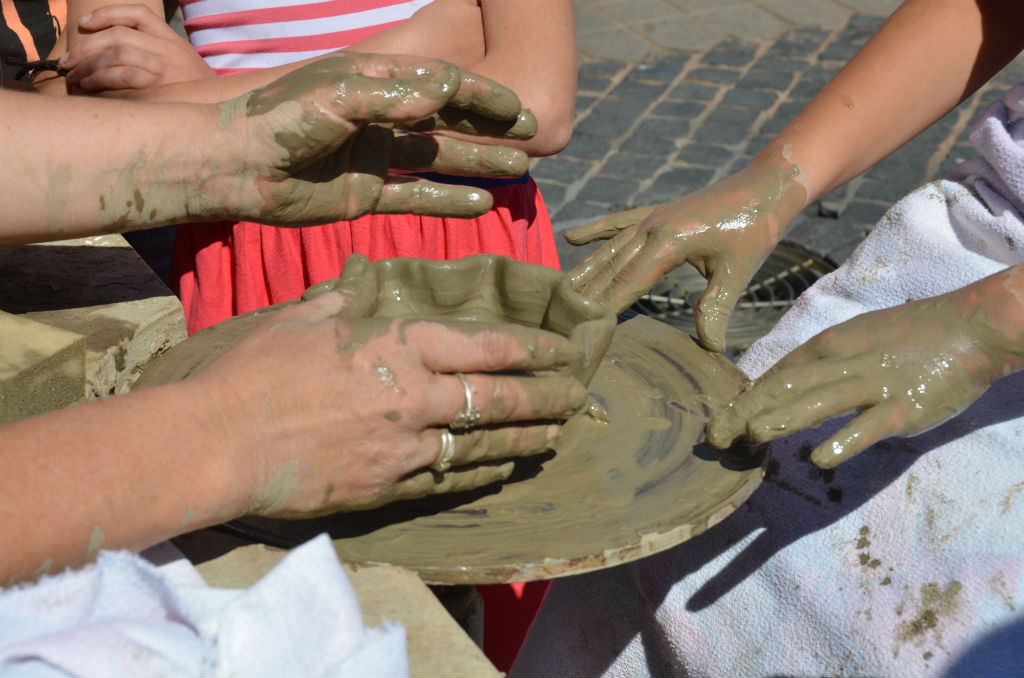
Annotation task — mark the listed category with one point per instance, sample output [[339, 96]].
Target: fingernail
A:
[[63, 60], [552, 432], [85, 18]]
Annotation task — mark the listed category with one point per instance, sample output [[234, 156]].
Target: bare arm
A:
[[299, 151], [928, 57], [294, 419], [894, 87], [497, 38]]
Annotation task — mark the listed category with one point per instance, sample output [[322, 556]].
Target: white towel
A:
[[123, 616], [906, 560]]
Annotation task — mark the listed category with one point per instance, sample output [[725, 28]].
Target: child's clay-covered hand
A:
[[904, 369], [127, 47], [725, 231], [322, 413], [315, 151]]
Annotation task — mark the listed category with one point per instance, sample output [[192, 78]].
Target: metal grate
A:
[[787, 272]]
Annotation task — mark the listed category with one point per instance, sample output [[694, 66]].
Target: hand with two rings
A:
[[352, 413], [464, 420]]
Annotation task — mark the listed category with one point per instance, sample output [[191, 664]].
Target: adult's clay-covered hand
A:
[[322, 414], [725, 231], [904, 369], [316, 149]]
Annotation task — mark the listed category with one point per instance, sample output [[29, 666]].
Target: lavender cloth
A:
[[906, 560]]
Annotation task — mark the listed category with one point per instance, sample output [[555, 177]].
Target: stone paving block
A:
[[706, 154], [596, 85], [631, 165], [584, 147], [600, 69], [679, 34], [678, 109], [880, 191], [613, 43], [712, 133], [604, 126], [839, 52], [757, 144], [824, 13], [42, 368], [719, 76], [608, 190], [773, 62], [579, 212], [583, 102], [805, 90], [553, 193], [733, 115], [664, 69], [656, 136], [560, 168], [747, 21], [695, 91], [673, 184], [863, 213], [639, 12], [622, 109], [731, 52], [871, 13], [799, 42], [590, 19], [753, 98], [638, 92], [773, 80]]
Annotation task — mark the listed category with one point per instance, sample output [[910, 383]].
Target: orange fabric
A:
[[226, 269]]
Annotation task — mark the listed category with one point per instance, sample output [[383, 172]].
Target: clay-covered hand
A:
[[129, 47], [904, 370], [725, 230], [312, 153], [321, 413]]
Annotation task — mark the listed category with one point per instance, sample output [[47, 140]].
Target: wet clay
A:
[[610, 493], [623, 488]]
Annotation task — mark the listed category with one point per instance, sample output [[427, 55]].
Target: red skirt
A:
[[226, 269]]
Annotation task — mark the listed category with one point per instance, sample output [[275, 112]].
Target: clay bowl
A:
[[483, 288], [480, 288]]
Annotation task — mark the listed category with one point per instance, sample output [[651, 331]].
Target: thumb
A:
[[714, 310]]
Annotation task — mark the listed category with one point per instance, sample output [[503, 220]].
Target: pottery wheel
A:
[[611, 494]]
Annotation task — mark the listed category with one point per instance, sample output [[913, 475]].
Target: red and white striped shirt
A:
[[243, 35]]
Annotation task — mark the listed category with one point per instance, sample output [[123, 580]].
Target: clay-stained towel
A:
[[906, 560], [122, 616]]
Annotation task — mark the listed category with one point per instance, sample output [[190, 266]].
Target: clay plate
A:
[[611, 494]]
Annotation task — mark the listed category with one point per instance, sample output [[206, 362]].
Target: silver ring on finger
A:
[[444, 457], [468, 416]]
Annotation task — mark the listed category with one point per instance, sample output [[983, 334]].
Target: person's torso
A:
[[241, 35]]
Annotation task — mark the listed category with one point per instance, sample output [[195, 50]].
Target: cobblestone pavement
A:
[[674, 94]]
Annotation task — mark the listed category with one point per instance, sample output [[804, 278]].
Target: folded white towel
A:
[[906, 560], [123, 616]]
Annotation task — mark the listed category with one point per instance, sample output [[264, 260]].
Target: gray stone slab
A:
[[679, 34], [717, 76], [695, 91], [560, 168], [632, 165], [613, 43], [100, 288], [678, 109], [656, 136], [42, 368], [709, 155], [608, 190], [674, 184], [822, 13], [747, 21]]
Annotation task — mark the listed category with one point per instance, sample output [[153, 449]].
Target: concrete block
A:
[[42, 368], [100, 288]]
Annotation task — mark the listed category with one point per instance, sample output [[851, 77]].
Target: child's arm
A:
[[929, 56], [127, 51]]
